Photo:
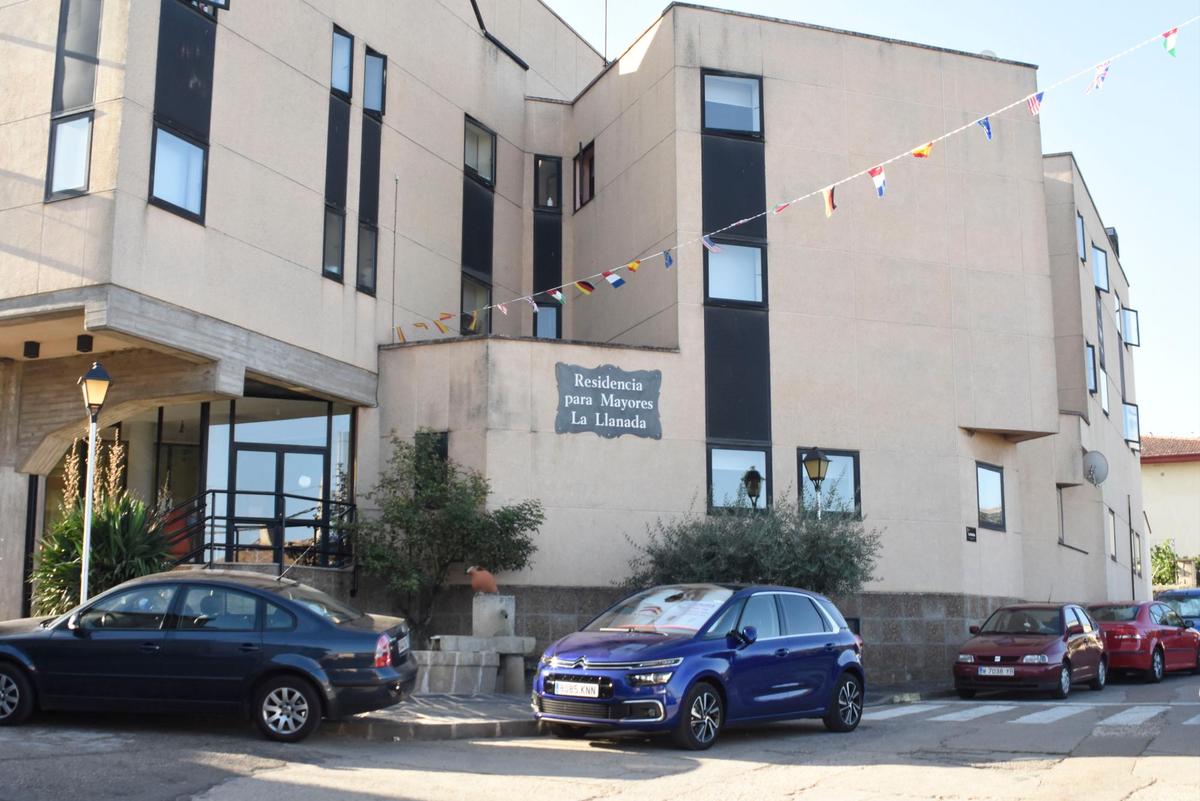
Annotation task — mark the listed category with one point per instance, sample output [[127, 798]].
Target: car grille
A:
[[578, 709], [991, 660]]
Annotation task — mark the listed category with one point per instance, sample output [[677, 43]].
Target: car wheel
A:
[[845, 705], [1101, 676], [700, 718], [1155, 673], [1064, 682], [966, 695], [1196, 669], [16, 696], [562, 730], [287, 709]]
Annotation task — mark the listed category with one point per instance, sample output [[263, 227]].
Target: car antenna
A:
[[296, 561]]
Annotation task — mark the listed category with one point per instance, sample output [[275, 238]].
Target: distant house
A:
[[1171, 490]]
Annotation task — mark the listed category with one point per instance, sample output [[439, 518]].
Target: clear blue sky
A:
[[1137, 141]]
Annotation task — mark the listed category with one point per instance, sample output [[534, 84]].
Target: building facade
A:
[[260, 229], [1171, 482]]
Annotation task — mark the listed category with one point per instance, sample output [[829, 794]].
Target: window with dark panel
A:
[[374, 91], [337, 156], [727, 468], [1133, 429], [341, 71], [736, 273], [989, 485], [1080, 237], [476, 295], [732, 104], [547, 183], [547, 241], [585, 175], [478, 219], [1100, 268], [479, 151], [1089, 357], [73, 95], [840, 493], [547, 323], [1131, 329]]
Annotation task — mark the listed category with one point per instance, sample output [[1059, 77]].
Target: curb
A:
[[396, 731], [911, 697]]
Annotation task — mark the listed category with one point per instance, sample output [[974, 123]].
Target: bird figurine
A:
[[482, 580]]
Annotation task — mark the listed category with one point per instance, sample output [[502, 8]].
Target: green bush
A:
[[1164, 563]]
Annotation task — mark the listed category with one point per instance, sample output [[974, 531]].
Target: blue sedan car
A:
[[690, 659], [1185, 602]]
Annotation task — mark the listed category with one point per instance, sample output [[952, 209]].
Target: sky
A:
[[1137, 141]]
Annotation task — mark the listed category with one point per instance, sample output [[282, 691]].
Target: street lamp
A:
[[95, 384], [752, 481], [816, 465]]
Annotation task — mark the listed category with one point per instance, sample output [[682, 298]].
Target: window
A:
[[835, 614], [178, 167], [840, 490], [760, 612], [725, 624], [75, 61], [726, 469], [476, 296], [736, 273], [1100, 329], [141, 608], [1090, 365], [1100, 268], [335, 245], [989, 485], [1133, 429], [368, 242], [800, 616], [479, 152], [1112, 535], [732, 104], [279, 619], [319, 603], [218, 609], [342, 69], [1131, 329], [1104, 390], [70, 155], [1137, 555], [547, 182], [1080, 237], [1062, 527], [374, 82], [546, 323], [585, 176]]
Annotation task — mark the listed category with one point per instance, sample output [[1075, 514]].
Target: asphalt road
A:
[[1132, 741]]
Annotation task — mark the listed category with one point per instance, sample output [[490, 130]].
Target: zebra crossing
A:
[[1035, 713]]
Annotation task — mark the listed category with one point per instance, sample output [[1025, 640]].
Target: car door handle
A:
[[782, 652], [150, 648], [828, 646], [247, 647]]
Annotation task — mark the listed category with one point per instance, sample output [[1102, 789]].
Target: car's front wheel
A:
[[1064, 682], [16, 695], [700, 719], [845, 707], [1157, 667], [287, 709], [1101, 676]]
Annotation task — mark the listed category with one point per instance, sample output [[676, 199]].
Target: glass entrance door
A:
[[278, 509]]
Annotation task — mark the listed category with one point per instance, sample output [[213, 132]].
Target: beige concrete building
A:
[[178, 196], [1171, 483]]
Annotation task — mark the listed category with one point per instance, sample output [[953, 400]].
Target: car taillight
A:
[[383, 651]]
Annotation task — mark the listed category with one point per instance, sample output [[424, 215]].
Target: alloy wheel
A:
[[285, 710], [1157, 665], [705, 717], [1064, 680], [10, 696], [1102, 673], [849, 703]]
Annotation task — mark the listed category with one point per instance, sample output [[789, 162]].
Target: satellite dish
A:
[[988, 53], [1095, 467]]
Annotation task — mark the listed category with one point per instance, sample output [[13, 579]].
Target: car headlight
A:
[[649, 679], [545, 660], [966, 657], [1035, 659], [660, 663]]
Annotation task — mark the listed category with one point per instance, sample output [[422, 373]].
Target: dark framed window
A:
[[1062, 522], [1103, 390], [585, 175], [800, 615], [71, 114], [1112, 535], [735, 273], [1131, 424], [547, 183], [141, 608], [341, 72], [207, 608], [374, 91], [989, 489], [732, 103], [374, 83], [1100, 268], [178, 173], [1080, 237], [368, 257], [334, 248], [479, 152], [476, 296], [68, 171], [547, 323], [727, 466], [761, 612], [1131, 329], [1089, 358], [840, 492], [337, 155], [1100, 329], [279, 619]]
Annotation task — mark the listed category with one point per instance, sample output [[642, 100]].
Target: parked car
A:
[[1149, 637], [1186, 604], [208, 640], [690, 659], [1032, 647]]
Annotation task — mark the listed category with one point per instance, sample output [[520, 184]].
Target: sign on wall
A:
[[608, 401]]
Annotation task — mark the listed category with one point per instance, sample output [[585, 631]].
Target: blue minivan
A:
[[690, 659]]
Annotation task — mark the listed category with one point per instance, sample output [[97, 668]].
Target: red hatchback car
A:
[[1147, 636], [1032, 647]]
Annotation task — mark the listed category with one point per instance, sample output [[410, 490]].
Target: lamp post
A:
[[95, 384], [816, 465], [752, 481]]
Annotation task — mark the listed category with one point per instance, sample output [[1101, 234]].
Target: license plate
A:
[[580, 689], [996, 671]]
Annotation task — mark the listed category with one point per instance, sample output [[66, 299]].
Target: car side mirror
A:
[[748, 635], [973, 629], [1073, 629], [73, 625]]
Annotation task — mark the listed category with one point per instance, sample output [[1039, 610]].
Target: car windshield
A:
[[316, 601], [664, 610], [1023, 621], [1183, 605], [1123, 613]]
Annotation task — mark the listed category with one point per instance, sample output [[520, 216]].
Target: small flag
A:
[[879, 178], [445, 316], [503, 307], [529, 300], [633, 265], [1098, 78], [474, 320], [400, 335], [1169, 41], [779, 209], [424, 326], [557, 295], [986, 124], [830, 206], [441, 326], [709, 245], [667, 260], [614, 279], [923, 151], [1035, 103], [585, 287]]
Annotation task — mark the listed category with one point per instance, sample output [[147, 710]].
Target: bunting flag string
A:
[[585, 287], [1033, 102]]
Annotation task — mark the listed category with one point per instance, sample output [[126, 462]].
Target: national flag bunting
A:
[[614, 279], [531, 303], [1098, 78], [1169, 41], [923, 151], [880, 179], [474, 320], [400, 335], [667, 260], [423, 326], [503, 307], [709, 245], [633, 265], [779, 209], [441, 326], [986, 125], [557, 295], [1035, 103], [585, 287], [830, 206], [446, 316]]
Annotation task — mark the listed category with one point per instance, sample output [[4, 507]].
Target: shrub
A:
[[1164, 563]]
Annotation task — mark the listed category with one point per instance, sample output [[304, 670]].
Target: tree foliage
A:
[[784, 544], [431, 516], [1164, 563]]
